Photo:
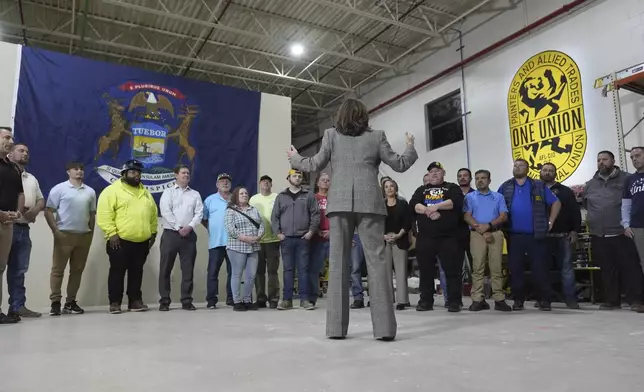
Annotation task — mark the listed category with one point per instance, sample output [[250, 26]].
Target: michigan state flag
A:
[[74, 109]]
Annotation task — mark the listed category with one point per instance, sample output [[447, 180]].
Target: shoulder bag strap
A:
[[253, 221]]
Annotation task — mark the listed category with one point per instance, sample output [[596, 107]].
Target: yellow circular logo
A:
[[546, 113]]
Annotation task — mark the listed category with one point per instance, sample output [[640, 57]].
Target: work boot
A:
[[477, 306], [502, 306]]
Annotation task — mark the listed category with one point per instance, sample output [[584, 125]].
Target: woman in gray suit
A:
[[355, 151]]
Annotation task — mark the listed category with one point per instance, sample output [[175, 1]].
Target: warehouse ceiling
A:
[[251, 44]]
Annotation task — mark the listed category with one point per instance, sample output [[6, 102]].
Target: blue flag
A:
[[100, 114]]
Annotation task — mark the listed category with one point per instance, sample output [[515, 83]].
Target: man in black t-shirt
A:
[[437, 207]]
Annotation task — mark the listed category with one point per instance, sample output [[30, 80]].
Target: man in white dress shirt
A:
[[181, 211]]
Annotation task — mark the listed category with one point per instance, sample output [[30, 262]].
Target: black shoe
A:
[[477, 306], [400, 307], [251, 306], [211, 305], [424, 306], [337, 337], [239, 307], [273, 304], [486, 306], [387, 338], [55, 309], [164, 307], [357, 304], [639, 308], [4, 319], [230, 302], [502, 306], [14, 316], [545, 306], [72, 307], [517, 305], [454, 308], [572, 304], [262, 304], [609, 307], [188, 306]]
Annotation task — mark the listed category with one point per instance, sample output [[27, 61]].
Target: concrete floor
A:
[[268, 350]]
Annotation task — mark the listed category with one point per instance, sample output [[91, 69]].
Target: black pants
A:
[[269, 259], [186, 247], [451, 256], [464, 243], [620, 268], [129, 257], [520, 246]]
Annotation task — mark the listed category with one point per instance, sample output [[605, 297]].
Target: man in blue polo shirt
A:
[[529, 223], [214, 211], [485, 212]]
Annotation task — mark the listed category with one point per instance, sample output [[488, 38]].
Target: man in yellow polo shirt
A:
[[127, 214], [269, 255]]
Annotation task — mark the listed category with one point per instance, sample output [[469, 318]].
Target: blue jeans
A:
[[561, 248], [441, 278], [216, 257], [319, 253], [17, 266], [243, 262], [519, 246], [295, 254], [357, 260]]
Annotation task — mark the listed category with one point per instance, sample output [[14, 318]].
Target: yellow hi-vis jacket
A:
[[127, 211]]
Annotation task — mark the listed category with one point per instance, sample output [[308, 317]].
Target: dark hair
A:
[[522, 160], [610, 154], [180, 166], [549, 164], [483, 171], [8, 129], [234, 196], [389, 179], [383, 179], [23, 144], [353, 118], [637, 148], [466, 169], [74, 165]]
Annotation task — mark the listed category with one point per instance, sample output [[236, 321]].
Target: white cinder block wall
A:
[[274, 139], [602, 37]]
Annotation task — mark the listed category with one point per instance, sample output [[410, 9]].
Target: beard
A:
[[132, 181]]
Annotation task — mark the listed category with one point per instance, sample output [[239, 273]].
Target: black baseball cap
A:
[[223, 176], [435, 165], [265, 177]]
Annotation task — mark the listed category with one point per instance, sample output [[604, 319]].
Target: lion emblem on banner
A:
[[149, 117]]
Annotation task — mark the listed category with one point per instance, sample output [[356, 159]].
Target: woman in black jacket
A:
[[397, 227]]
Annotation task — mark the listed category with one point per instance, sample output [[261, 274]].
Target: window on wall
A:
[[444, 119]]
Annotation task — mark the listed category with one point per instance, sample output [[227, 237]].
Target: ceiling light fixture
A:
[[297, 49]]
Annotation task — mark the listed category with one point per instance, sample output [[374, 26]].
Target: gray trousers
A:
[[371, 228], [186, 247], [397, 258]]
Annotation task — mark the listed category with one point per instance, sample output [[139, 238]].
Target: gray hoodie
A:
[[603, 202], [295, 216]]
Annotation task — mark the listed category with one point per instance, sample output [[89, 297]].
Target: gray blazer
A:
[[354, 164]]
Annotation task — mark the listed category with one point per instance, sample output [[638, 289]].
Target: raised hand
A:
[[409, 138]]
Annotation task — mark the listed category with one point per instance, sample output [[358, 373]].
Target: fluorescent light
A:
[[297, 50]]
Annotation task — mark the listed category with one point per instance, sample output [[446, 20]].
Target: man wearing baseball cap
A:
[[214, 212], [437, 207]]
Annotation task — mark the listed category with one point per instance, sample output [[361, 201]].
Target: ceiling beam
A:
[[368, 15], [250, 34]]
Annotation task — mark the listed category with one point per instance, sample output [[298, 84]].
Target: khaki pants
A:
[[6, 236], [398, 258], [72, 247], [483, 253]]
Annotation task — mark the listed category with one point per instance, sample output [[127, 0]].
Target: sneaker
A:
[[72, 307], [164, 307], [285, 305], [401, 307], [4, 319], [27, 313], [230, 302], [502, 306], [272, 304], [252, 306], [424, 306], [239, 307], [486, 306], [637, 308], [260, 304], [609, 307], [357, 304], [477, 306], [137, 306], [517, 305], [545, 306], [188, 306], [115, 308], [14, 316], [55, 309], [307, 305], [211, 305], [572, 304], [454, 308]]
